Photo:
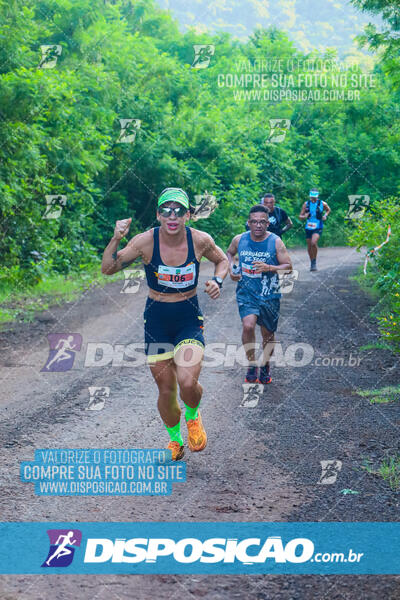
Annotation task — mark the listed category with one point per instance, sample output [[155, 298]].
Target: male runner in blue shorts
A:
[[174, 340], [262, 256], [315, 211]]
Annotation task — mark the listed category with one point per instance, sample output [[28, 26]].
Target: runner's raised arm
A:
[[115, 260]]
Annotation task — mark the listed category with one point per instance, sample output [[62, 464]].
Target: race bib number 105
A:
[[176, 277]]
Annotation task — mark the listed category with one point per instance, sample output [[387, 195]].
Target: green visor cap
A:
[[174, 195]]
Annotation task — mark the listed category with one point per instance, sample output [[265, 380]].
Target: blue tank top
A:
[[313, 222], [262, 286], [169, 280]]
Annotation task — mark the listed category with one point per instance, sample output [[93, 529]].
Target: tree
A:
[[387, 40]]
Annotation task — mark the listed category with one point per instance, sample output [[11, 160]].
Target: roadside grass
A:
[[386, 308], [389, 470], [378, 345], [384, 395], [366, 282], [21, 303]]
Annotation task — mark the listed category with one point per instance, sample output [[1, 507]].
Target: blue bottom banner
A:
[[200, 547]]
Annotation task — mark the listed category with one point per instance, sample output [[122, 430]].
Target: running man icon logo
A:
[[50, 54], [62, 547], [54, 206], [205, 205], [62, 351], [132, 281], [286, 281], [98, 396], [357, 206], [129, 129], [330, 471], [278, 130], [202, 55], [251, 394]]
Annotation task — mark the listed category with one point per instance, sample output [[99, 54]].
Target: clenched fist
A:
[[212, 289], [122, 228]]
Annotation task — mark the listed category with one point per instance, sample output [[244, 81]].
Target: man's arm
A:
[[233, 248], [285, 264], [288, 225], [114, 260], [327, 211], [231, 253], [304, 212]]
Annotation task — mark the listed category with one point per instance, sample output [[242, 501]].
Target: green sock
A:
[[175, 433], [191, 413]]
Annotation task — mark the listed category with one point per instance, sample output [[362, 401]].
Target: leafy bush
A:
[[383, 270]]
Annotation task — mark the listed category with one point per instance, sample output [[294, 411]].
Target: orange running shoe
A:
[[197, 438], [177, 450]]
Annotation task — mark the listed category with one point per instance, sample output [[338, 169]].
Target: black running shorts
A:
[[170, 325]]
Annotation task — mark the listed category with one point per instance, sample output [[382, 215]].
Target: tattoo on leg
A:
[[115, 255]]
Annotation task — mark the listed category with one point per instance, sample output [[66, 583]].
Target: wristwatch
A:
[[218, 280]]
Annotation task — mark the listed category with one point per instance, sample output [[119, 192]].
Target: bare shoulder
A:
[[201, 237], [279, 243], [202, 240], [235, 242], [206, 246], [142, 239]]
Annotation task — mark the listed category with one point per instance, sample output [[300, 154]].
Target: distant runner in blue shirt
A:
[[262, 256], [315, 212]]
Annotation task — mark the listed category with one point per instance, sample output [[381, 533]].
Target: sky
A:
[[311, 24]]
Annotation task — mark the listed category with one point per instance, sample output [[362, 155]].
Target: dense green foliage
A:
[[384, 269], [126, 59]]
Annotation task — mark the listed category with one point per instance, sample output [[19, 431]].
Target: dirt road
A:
[[262, 463]]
